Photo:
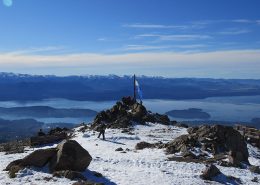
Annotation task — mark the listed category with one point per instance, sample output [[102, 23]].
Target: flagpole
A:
[[134, 89]]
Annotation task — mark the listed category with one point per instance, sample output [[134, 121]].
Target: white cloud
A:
[[154, 26], [234, 31], [167, 58], [176, 37], [144, 47], [137, 47], [102, 39], [198, 64], [191, 46], [36, 50], [243, 21], [239, 21]]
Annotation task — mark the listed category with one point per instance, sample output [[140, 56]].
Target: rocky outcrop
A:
[[125, 113], [70, 156], [181, 144], [216, 139], [55, 135]]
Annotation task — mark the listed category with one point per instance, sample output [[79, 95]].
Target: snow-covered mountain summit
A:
[[129, 166]]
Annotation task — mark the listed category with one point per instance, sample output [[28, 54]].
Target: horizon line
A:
[[115, 75]]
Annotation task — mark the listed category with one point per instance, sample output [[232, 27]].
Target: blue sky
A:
[[172, 38]]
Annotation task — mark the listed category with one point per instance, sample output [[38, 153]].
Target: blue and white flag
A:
[[140, 94]]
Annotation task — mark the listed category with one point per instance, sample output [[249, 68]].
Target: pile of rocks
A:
[[206, 141], [54, 135], [127, 112], [68, 159]]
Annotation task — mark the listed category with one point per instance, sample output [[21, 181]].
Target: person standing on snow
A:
[[102, 129]]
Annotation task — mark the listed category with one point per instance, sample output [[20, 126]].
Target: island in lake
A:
[[192, 113]]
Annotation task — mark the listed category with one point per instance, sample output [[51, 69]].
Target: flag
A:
[[140, 94]]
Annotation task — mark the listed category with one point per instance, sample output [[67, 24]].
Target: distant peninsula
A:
[[192, 113], [46, 112], [22, 128]]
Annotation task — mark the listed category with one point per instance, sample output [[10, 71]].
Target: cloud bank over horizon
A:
[[215, 64]]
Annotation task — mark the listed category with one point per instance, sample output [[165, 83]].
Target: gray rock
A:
[[217, 139], [142, 145], [119, 149], [13, 163], [70, 156], [235, 158], [254, 169], [39, 158], [210, 172]]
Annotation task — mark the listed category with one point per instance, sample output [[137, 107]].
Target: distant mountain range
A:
[[22, 87]]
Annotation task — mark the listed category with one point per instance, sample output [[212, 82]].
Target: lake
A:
[[233, 109]]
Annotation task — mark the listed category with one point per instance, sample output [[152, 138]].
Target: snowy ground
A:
[[142, 167]]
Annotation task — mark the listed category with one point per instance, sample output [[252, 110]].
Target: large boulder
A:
[[70, 156], [39, 158], [235, 158], [224, 139], [13, 163], [215, 139]]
